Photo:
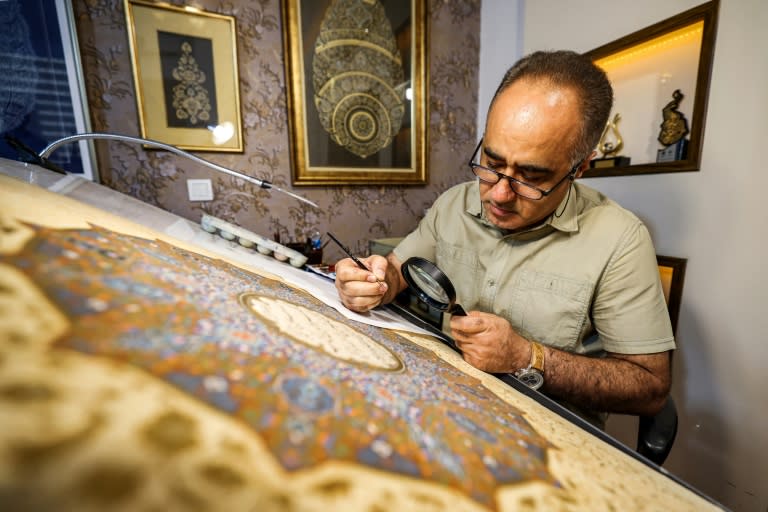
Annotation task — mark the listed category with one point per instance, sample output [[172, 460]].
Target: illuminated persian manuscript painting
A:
[[138, 373]]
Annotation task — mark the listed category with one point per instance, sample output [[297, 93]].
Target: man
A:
[[542, 263]]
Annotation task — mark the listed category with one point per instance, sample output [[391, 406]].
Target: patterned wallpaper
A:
[[354, 213]]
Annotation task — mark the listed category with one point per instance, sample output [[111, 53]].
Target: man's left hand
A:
[[489, 343]]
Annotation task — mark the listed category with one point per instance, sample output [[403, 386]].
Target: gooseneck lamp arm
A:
[[173, 149]]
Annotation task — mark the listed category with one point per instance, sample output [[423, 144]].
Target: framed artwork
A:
[[672, 274], [186, 77], [660, 77], [357, 91], [42, 90]]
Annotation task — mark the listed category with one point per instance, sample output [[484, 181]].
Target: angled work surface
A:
[[138, 371]]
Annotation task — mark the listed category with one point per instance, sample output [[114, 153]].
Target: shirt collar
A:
[[567, 222]]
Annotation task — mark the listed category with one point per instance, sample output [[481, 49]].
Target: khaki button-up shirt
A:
[[591, 270]]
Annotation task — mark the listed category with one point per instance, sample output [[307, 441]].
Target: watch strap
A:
[[533, 375], [537, 356]]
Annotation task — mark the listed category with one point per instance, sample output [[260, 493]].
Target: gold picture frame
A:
[[185, 72], [357, 91], [659, 71]]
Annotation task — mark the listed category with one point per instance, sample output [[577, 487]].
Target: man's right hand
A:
[[362, 290]]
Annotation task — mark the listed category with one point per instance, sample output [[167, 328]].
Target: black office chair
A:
[[656, 434]]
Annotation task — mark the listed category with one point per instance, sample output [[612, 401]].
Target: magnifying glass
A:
[[431, 285]]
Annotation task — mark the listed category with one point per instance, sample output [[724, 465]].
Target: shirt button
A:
[[491, 283]]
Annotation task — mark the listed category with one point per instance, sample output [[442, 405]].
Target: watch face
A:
[[530, 377]]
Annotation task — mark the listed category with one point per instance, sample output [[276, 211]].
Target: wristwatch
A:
[[533, 375]]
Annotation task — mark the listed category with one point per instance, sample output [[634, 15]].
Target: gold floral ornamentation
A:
[[190, 98]]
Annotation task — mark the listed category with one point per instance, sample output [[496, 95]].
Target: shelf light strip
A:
[[658, 43]]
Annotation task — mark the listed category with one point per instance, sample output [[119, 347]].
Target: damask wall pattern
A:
[[354, 213]]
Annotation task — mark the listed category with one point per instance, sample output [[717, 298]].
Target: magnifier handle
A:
[[457, 310]]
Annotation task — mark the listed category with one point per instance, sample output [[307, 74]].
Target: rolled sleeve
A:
[[630, 312]]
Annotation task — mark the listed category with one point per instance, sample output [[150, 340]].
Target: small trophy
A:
[[673, 130], [610, 148]]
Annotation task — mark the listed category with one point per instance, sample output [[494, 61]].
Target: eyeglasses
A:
[[520, 188]]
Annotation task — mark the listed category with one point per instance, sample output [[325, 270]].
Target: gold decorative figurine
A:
[[610, 144], [607, 147], [674, 128]]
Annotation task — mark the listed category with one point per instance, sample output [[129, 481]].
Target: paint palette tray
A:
[[250, 240]]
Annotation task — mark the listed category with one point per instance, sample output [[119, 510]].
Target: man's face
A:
[[530, 133]]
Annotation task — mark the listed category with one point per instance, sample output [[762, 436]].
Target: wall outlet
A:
[[200, 190]]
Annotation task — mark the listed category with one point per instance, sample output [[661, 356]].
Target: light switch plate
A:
[[200, 190]]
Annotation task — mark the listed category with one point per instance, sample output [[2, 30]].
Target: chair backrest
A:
[[672, 274], [656, 434]]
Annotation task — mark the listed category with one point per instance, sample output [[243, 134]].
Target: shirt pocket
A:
[[462, 267], [455, 255], [549, 308]]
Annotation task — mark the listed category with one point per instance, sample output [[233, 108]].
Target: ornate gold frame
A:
[[145, 21], [655, 47], [318, 159]]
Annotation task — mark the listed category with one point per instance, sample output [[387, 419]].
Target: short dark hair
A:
[[569, 69]]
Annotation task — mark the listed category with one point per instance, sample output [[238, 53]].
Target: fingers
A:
[[485, 341], [359, 304], [347, 270], [361, 296], [359, 290], [463, 329], [482, 356], [464, 326], [349, 276], [378, 265]]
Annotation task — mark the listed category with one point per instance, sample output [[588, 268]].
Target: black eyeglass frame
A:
[[515, 181]]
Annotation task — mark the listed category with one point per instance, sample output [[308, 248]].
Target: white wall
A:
[[716, 218], [501, 42]]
